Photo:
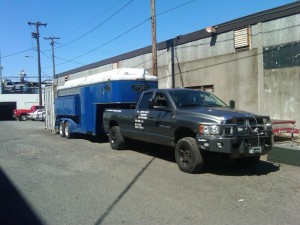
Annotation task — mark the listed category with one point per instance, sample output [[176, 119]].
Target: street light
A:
[[30, 56], [211, 29], [39, 79]]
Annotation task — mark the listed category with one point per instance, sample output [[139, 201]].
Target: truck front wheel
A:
[[188, 156], [116, 139]]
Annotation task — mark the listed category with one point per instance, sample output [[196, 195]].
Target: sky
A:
[[93, 30]]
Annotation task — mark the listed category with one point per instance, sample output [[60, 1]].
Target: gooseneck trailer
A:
[[80, 102]]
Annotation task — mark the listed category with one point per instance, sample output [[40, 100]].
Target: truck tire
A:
[[247, 161], [62, 129], [116, 139], [188, 156], [68, 133], [23, 117]]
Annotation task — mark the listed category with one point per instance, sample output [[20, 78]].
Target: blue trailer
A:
[[80, 102]]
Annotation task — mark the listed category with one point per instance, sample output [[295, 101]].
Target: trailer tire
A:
[[116, 139], [62, 129], [188, 156], [68, 133]]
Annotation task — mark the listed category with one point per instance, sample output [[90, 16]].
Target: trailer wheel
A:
[[188, 156], [62, 129], [116, 139], [68, 133]]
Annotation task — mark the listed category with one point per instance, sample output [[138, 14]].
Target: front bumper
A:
[[237, 146]]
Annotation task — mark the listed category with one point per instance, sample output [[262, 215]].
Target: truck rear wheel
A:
[[68, 133], [62, 129], [116, 139], [188, 156]]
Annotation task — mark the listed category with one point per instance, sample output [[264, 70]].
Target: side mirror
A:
[[232, 104]]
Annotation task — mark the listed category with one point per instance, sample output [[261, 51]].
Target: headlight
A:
[[209, 129], [267, 124]]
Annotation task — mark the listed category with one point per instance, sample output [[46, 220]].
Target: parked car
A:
[[21, 114], [41, 116], [33, 115]]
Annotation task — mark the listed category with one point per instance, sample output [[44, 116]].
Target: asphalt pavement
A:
[[46, 179]]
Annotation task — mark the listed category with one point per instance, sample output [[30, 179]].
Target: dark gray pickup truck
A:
[[195, 123]]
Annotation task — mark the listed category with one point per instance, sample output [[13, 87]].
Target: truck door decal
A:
[[139, 120]]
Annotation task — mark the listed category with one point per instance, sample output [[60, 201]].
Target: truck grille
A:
[[247, 126]]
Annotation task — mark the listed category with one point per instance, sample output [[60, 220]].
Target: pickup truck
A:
[[195, 122], [21, 114]]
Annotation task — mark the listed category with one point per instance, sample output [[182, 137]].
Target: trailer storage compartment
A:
[[68, 105]]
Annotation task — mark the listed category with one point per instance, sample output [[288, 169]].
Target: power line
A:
[[103, 22], [176, 7], [16, 53], [117, 37], [69, 60], [159, 14], [126, 32]]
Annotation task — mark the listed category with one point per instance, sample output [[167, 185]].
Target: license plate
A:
[[255, 149]]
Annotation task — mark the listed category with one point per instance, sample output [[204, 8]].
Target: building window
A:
[[242, 39]]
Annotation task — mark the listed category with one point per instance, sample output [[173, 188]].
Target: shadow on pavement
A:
[[156, 151], [13, 207], [94, 139], [228, 167], [214, 164]]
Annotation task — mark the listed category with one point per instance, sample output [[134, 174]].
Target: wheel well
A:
[[113, 123], [183, 132]]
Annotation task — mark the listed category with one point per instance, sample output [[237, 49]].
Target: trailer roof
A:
[[112, 75]]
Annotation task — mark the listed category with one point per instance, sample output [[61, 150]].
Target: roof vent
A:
[[242, 38]]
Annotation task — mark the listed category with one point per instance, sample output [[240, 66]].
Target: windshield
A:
[[193, 98]]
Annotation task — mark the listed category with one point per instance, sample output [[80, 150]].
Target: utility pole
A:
[[1, 68], [51, 117], [53, 62], [36, 35], [153, 32]]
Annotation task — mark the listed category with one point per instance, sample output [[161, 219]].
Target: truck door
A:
[[159, 123], [141, 116]]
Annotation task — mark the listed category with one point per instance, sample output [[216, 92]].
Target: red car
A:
[[21, 114]]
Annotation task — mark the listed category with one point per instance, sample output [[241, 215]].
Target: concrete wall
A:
[[282, 95], [281, 68], [232, 75]]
